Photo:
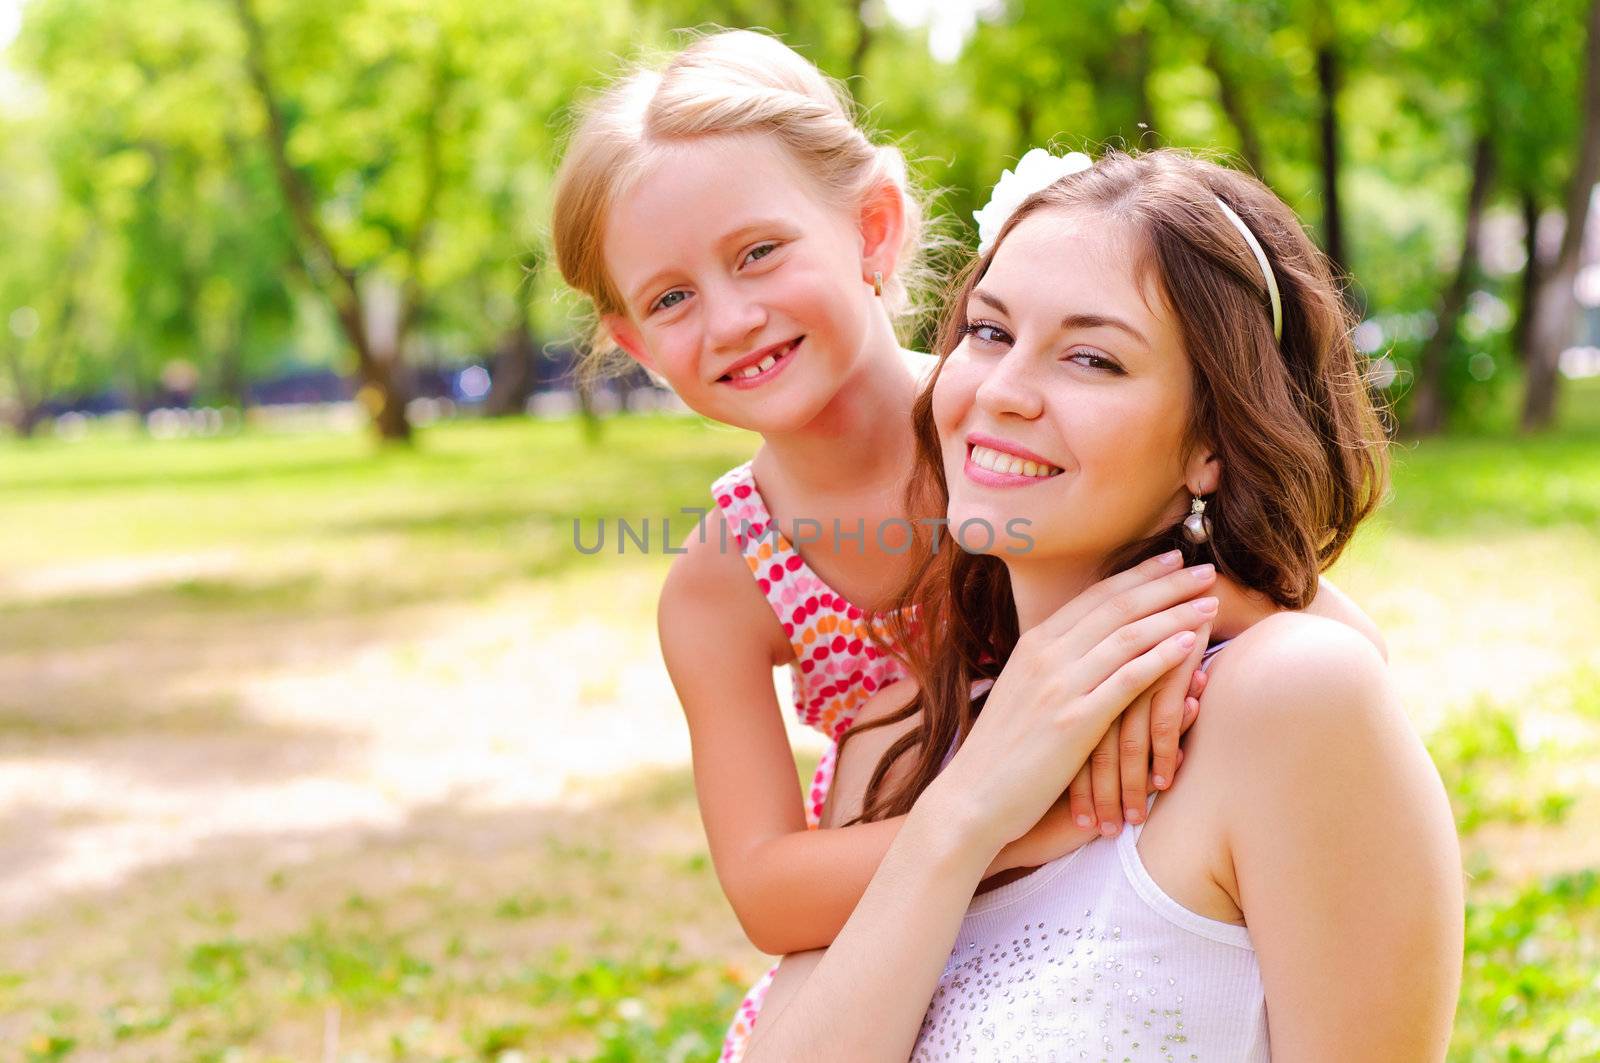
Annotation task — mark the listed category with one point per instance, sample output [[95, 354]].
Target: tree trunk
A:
[[1332, 217], [1552, 325], [1531, 276], [27, 416], [1430, 411], [1233, 106], [511, 382], [866, 18], [337, 281]]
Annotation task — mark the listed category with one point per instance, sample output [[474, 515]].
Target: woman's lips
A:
[[780, 359], [997, 478]]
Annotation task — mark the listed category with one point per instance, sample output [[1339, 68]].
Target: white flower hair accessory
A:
[[1036, 170]]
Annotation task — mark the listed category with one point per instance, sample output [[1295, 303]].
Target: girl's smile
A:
[[756, 369]]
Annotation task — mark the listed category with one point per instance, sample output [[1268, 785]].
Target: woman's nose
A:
[[1011, 387]]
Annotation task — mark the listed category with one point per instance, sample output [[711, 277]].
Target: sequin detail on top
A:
[[1087, 958], [836, 666]]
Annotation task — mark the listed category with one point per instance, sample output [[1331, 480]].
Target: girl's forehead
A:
[[687, 196], [715, 173]]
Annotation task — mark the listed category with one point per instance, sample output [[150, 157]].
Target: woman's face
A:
[[743, 288], [1067, 400]]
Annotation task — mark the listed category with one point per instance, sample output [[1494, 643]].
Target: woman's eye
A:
[[1094, 360], [758, 253], [984, 332], [670, 300]]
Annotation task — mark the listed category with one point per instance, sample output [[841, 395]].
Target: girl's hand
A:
[[1119, 775], [1067, 680], [1054, 836]]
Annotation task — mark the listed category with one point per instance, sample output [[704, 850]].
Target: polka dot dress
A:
[[836, 667]]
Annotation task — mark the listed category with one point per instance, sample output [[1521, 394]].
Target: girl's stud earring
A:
[[1197, 526], [877, 283]]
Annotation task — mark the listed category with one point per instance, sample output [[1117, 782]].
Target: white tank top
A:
[[1088, 959]]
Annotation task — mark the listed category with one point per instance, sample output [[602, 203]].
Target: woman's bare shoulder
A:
[[1307, 699]]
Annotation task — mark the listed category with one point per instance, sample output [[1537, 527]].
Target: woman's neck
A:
[[860, 441], [1042, 587]]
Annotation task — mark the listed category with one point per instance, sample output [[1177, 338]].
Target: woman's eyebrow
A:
[[1075, 321], [983, 296], [1071, 321]]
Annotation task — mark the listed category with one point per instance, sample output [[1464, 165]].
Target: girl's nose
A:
[[733, 318]]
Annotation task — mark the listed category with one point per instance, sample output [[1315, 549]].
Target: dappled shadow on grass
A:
[[558, 928]]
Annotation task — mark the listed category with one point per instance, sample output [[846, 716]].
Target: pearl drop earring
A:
[[1197, 526]]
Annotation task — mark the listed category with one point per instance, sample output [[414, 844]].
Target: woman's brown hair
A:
[[1300, 443]]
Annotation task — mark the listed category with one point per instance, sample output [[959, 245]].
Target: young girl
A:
[[742, 238], [1155, 330]]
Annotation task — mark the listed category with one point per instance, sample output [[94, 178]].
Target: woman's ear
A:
[[882, 224], [1202, 473], [627, 336]]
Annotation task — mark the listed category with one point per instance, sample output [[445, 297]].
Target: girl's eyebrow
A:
[[1071, 321]]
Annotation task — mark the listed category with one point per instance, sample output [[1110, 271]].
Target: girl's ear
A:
[[627, 336], [882, 224]]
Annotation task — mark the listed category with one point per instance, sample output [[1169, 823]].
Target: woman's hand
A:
[[1067, 680]]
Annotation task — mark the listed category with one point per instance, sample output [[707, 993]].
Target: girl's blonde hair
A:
[[733, 81]]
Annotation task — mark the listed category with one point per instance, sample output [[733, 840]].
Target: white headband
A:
[[1266, 267], [1039, 169]]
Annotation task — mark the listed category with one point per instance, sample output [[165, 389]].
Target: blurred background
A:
[[318, 737]]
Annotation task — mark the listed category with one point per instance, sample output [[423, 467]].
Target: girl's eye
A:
[[1092, 358], [760, 252], [670, 300], [985, 332]]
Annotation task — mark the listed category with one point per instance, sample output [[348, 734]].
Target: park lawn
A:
[[589, 925]]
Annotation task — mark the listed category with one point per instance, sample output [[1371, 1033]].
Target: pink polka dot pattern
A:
[[836, 666]]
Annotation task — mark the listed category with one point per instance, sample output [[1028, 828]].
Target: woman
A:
[[1161, 340]]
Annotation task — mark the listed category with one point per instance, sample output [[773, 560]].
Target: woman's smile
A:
[[995, 462]]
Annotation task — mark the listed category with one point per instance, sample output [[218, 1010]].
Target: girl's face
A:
[[1067, 400], [743, 289]]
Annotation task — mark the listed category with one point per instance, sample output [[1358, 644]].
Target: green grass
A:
[[600, 933]]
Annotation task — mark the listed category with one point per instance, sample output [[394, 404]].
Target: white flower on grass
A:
[[1036, 170]]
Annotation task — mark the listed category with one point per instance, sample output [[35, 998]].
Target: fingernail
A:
[[1131, 815], [1108, 828], [1203, 572], [1170, 558], [1192, 704], [1084, 821], [1160, 781], [1186, 640], [1205, 606]]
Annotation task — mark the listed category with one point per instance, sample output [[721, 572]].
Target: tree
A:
[[1550, 328]]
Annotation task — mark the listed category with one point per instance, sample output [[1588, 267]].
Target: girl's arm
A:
[[864, 999], [1335, 604], [1356, 919], [791, 888]]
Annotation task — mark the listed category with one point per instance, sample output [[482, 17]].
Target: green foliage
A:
[[1490, 776], [1529, 991], [610, 1000], [143, 223]]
